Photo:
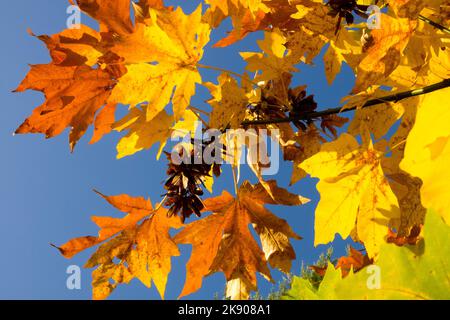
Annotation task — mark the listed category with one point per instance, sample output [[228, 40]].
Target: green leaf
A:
[[409, 272]]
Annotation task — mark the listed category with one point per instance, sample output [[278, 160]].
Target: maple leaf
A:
[[103, 122], [223, 241], [280, 14], [226, 6], [311, 28], [355, 194], [425, 59], [331, 123], [346, 45], [378, 119], [162, 68], [113, 16], [145, 5], [154, 62], [143, 134], [405, 186], [310, 143], [274, 62], [383, 55], [355, 261], [428, 150], [73, 96], [412, 238], [229, 103], [143, 250], [243, 24], [399, 266], [146, 55], [74, 47], [407, 8]]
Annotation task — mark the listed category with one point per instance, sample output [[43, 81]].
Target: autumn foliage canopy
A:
[[376, 180]]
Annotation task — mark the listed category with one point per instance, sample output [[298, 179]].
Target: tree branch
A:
[[434, 24], [391, 98]]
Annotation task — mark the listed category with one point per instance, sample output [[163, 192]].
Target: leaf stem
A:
[[395, 146], [199, 111], [391, 98], [235, 182], [434, 24], [199, 117], [160, 204]]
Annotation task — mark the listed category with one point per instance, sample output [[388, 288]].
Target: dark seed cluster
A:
[[301, 105], [268, 108], [185, 185]]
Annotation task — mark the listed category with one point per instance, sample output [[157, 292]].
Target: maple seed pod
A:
[[185, 185], [301, 106], [269, 106]]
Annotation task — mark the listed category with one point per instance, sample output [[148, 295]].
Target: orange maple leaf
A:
[[73, 96], [243, 25], [223, 241], [112, 15], [91, 69], [143, 249], [384, 53], [354, 261], [147, 4]]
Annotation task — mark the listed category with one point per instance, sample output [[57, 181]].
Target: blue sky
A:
[[46, 191]]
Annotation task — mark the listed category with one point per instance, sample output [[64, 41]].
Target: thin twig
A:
[[160, 204], [395, 146], [434, 24], [200, 111], [319, 114]]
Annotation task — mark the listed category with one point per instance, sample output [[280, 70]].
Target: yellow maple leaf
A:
[[228, 7], [302, 11], [427, 152], [161, 57], [378, 119], [223, 241], [309, 144], [152, 62], [274, 62], [384, 54], [143, 134], [407, 8], [433, 69], [229, 103], [425, 60], [354, 193], [311, 27], [345, 44], [405, 186]]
